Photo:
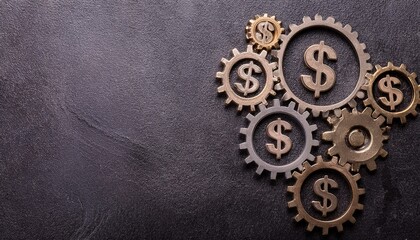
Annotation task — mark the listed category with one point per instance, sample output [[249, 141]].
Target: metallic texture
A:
[[253, 30], [359, 48], [226, 87], [249, 134], [378, 110], [357, 138], [344, 171]]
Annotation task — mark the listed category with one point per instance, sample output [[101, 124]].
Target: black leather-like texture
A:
[[111, 126]]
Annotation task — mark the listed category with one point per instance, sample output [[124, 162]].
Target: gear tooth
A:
[[315, 143], [292, 204], [306, 165], [310, 157], [305, 114], [347, 166], [252, 108], [313, 127], [367, 57], [339, 24], [327, 136], [367, 111], [332, 151], [292, 105], [240, 107], [352, 219], [228, 100], [310, 227], [291, 189], [355, 34], [272, 92], [325, 231], [286, 96], [360, 95], [368, 65], [390, 65], [353, 102], [278, 87], [367, 102], [264, 102], [282, 38], [315, 113], [347, 28], [250, 117], [296, 174], [357, 177], [355, 167], [243, 131], [235, 52], [340, 227], [224, 61], [221, 89], [292, 27], [261, 107], [276, 102], [354, 111], [259, 170], [343, 162], [319, 159], [385, 137], [403, 119], [272, 65], [263, 54], [361, 191], [413, 75], [288, 174], [325, 114], [369, 76], [376, 114], [389, 120], [275, 53], [359, 206], [243, 146], [248, 160], [219, 75], [273, 175], [380, 120], [414, 113], [298, 217], [378, 67], [306, 19], [330, 20], [300, 167], [334, 160], [318, 17], [383, 153], [265, 15], [249, 48], [363, 46], [337, 112]]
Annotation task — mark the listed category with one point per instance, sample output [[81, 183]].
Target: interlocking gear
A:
[[249, 134], [264, 32], [363, 57], [320, 165], [226, 87], [378, 110], [357, 138]]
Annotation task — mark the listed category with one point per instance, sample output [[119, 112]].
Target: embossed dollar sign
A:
[[395, 96], [274, 131], [251, 83], [264, 35], [320, 68], [321, 189]]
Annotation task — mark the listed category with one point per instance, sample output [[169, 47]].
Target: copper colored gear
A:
[[357, 138], [251, 31], [378, 110], [268, 69], [344, 171]]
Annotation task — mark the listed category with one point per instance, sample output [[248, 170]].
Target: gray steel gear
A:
[[359, 48], [249, 134]]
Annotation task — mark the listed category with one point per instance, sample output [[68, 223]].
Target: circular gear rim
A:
[[343, 125], [286, 168], [325, 224], [378, 110], [251, 27], [270, 79], [358, 47]]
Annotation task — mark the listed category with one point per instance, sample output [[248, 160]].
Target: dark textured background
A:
[[111, 128]]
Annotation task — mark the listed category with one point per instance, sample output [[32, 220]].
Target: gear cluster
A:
[[256, 77]]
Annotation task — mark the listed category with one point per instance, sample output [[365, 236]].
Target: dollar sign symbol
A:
[[247, 77], [395, 96], [274, 131], [321, 189], [264, 35], [320, 68]]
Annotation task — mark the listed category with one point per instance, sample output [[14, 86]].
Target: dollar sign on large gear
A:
[[263, 32], [251, 83], [275, 131], [395, 96], [378, 110], [320, 68], [321, 189], [325, 224]]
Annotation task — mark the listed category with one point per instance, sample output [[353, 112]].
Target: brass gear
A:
[[378, 110], [321, 165], [357, 138], [268, 69], [252, 31]]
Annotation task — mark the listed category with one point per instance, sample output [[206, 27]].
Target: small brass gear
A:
[[253, 34], [357, 138], [321, 165], [268, 69], [378, 110]]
